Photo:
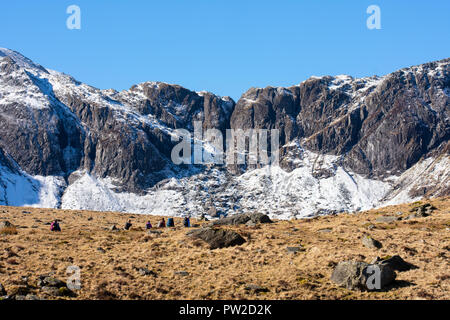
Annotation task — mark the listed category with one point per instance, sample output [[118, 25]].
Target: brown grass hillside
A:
[[30, 250]]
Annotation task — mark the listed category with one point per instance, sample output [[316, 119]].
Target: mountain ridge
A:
[[361, 131]]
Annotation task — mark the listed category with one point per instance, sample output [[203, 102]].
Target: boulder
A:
[[218, 238], [22, 290], [54, 287], [422, 211], [58, 292], [387, 219], [357, 275], [294, 249], [101, 250], [243, 219], [5, 224], [255, 288], [371, 243], [48, 281], [213, 212], [147, 272], [396, 263], [250, 223]]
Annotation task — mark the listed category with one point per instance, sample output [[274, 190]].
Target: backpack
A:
[[170, 222]]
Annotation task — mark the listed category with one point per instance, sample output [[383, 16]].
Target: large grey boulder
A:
[[237, 219], [396, 263], [218, 238], [355, 275]]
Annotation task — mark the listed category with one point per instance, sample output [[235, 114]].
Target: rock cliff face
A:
[[381, 126], [63, 137], [53, 125]]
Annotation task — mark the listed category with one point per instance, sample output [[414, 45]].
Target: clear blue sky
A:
[[224, 46]]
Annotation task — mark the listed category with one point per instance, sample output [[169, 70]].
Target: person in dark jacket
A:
[[148, 225], [128, 225], [55, 226], [170, 223], [162, 223], [186, 222]]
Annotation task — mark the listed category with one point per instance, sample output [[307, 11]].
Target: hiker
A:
[[162, 223], [170, 223], [148, 225], [55, 226], [128, 225], [187, 222]]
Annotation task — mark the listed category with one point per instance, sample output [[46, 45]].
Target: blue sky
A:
[[224, 46]]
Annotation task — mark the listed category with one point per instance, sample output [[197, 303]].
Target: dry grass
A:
[[113, 273], [8, 231]]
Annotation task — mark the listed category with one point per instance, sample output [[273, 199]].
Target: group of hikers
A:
[[162, 223], [54, 226]]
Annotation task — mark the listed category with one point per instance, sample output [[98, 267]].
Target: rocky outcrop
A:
[[381, 126], [255, 217], [61, 125]]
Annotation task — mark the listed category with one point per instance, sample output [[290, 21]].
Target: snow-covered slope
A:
[[272, 190], [17, 188]]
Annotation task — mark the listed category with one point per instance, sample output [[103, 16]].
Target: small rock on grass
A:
[[371, 243], [5, 224], [146, 272], [48, 281], [294, 249], [256, 288], [387, 219]]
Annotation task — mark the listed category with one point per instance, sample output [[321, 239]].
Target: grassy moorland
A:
[[185, 268]]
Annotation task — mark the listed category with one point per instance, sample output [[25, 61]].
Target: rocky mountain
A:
[[346, 144]]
